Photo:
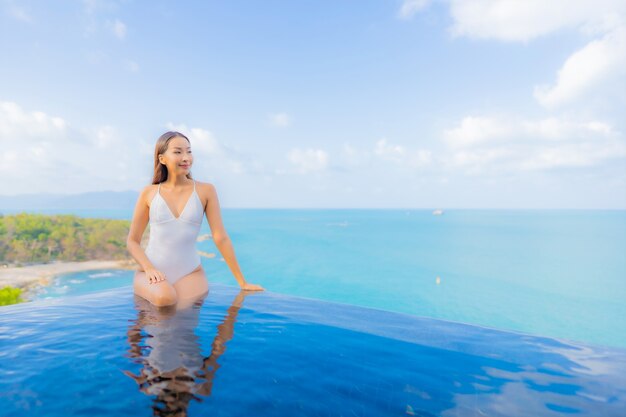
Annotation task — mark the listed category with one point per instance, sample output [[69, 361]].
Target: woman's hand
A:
[[154, 275], [252, 287]]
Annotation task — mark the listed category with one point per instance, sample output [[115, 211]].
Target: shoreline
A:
[[30, 277]]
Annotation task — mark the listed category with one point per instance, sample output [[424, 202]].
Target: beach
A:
[[32, 276]]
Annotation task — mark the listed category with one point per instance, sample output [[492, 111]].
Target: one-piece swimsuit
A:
[[172, 244]]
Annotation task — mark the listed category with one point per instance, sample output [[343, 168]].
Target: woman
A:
[[175, 204]]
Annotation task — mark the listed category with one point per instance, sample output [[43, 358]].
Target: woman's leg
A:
[[192, 285], [160, 294]]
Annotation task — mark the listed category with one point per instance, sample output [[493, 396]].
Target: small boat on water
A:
[[438, 212]]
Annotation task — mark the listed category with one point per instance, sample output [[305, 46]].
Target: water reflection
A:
[[293, 357], [164, 342]]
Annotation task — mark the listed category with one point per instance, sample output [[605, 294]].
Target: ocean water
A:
[[236, 353], [556, 273]]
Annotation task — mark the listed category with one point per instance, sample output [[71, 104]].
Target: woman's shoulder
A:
[[148, 192], [206, 191], [148, 189], [209, 187]]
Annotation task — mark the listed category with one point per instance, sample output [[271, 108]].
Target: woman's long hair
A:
[[160, 170]]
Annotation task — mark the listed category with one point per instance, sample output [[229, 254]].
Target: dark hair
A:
[[160, 170]]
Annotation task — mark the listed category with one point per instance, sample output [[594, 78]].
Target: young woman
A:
[[175, 204]]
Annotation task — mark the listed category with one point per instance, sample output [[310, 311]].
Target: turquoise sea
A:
[[557, 273]]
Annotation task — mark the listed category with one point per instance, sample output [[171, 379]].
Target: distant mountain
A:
[[104, 200]]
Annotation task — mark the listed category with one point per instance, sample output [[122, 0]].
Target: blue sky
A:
[[411, 104]]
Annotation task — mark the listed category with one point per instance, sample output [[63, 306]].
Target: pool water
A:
[[239, 353]]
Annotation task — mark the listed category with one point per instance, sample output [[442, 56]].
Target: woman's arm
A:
[[222, 240], [137, 227]]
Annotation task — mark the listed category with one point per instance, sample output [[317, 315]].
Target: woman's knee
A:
[[164, 296], [159, 294]]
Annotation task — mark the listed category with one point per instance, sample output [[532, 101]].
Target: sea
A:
[[555, 273]]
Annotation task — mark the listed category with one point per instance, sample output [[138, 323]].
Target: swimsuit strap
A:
[[158, 194], [194, 185]]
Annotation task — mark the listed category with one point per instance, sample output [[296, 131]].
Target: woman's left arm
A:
[[222, 240]]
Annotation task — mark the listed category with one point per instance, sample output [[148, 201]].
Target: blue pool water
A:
[[558, 273], [111, 353]]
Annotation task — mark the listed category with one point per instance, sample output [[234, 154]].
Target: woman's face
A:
[[177, 158]]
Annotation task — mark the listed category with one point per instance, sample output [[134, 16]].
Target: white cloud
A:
[[93, 9], [475, 130], [279, 119], [514, 20], [117, 27], [17, 12], [563, 129], [395, 153], [308, 160], [384, 153], [598, 61], [496, 145], [599, 127], [132, 66], [602, 61], [410, 7], [52, 151], [105, 137], [506, 144], [15, 122], [96, 6], [419, 158], [8, 160], [478, 161], [573, 155]]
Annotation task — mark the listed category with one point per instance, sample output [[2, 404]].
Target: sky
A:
[[321, 104]]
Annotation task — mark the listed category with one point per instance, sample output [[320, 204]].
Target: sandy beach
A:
[[29, 277]]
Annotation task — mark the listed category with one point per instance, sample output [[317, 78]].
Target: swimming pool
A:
[[239, 354]]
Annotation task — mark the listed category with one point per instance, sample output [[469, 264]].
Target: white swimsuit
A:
[[172, 243]]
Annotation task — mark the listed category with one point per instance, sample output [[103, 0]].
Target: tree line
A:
[[38, 238]]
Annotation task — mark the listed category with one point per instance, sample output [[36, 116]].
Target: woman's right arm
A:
[[137, 227]]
